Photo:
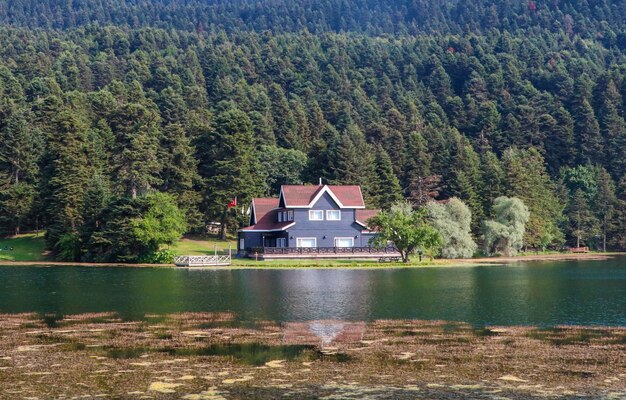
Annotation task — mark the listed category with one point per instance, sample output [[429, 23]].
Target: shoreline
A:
[[333, 264]]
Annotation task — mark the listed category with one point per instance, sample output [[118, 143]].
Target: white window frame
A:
[[314, 212], [344, 238], [330, 212], [298, 241], [280, 217], [290, 215], [281, 242], [242, 244]]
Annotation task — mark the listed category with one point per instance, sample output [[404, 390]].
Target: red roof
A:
[[266, 217], [363, 215], [304, 195]]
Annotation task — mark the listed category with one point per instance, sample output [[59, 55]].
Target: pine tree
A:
[[491, 181], [180, 172], [583, 224], [285, 127], [67, 176], [135, 158], [604, 204], [588, 132], [527, 179], [231, 166], [388, 190], [418, 159]]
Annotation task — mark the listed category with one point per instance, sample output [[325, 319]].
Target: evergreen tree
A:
[[180, 173], [67, 176], [232, 168], [135, 157], [588, 131], [285, 127], [605, 203], [388, 187], [583, 224], [527, 179]]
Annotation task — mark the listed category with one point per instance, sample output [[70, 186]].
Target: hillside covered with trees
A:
[[114, 112]]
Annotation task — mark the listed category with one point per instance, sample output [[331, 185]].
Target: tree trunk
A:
[[578, 231], [604, 235], [223, 225]]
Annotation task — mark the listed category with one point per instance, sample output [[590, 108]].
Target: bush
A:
[[164, 256]]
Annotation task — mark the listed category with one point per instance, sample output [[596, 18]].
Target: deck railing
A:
[[322, 250], [201, 261]]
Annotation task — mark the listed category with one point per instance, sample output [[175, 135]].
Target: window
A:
[[316, 215], [280, 217], [344, 242], [290, 215], [281, 242], [241, 244], [306, 242], [333, 215]]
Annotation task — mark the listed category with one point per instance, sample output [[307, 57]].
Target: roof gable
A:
[[265, 215], [305, 196]]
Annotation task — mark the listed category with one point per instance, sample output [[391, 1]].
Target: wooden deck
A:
[[202, 261], [286, 253]]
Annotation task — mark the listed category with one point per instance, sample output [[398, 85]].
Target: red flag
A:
[[233, 203]]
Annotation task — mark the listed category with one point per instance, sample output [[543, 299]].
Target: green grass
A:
[[27, 247], [201, 245]]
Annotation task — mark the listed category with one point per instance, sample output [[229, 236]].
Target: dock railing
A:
[[322, 250], [204, 261]]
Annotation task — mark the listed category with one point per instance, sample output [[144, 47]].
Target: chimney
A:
[[320, 184]]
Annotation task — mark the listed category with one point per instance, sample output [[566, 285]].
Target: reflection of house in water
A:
[[325, 294], [323, 332], [305, 294]]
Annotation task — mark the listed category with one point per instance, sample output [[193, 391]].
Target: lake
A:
[[533, 293]]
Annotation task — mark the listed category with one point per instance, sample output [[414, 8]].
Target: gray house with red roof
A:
[[310, 220]]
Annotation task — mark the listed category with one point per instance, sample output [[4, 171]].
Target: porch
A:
[[275, 253]]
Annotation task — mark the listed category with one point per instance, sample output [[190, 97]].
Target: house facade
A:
[[331, 217]]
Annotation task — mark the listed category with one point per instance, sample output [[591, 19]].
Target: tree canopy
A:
[[416, 99]]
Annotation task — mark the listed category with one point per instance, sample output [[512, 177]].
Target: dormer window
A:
[[280, 217], [290, 215], [316, 215], [333, 215]]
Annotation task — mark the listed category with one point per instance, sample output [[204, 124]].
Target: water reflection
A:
[[579, 292]]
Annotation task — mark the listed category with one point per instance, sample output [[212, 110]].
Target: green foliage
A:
[[133, 230], [407, 229], [453, 221], [67, 248], [163, 256], [283, 166], [528, 180], [161, 223], [505, 233], [225, 99]]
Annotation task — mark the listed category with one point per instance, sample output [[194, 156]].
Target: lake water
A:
[[539, 293]]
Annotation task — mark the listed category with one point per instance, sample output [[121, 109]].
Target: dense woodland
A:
[[113, 110]]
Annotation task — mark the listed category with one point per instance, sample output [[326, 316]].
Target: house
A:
[[309, 220]]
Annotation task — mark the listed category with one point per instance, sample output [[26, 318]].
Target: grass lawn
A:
[[27, 247], [202, 245]]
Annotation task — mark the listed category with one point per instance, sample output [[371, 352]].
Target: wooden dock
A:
[[202, 261]]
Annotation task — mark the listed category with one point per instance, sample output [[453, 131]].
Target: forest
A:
[[118, 111]]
